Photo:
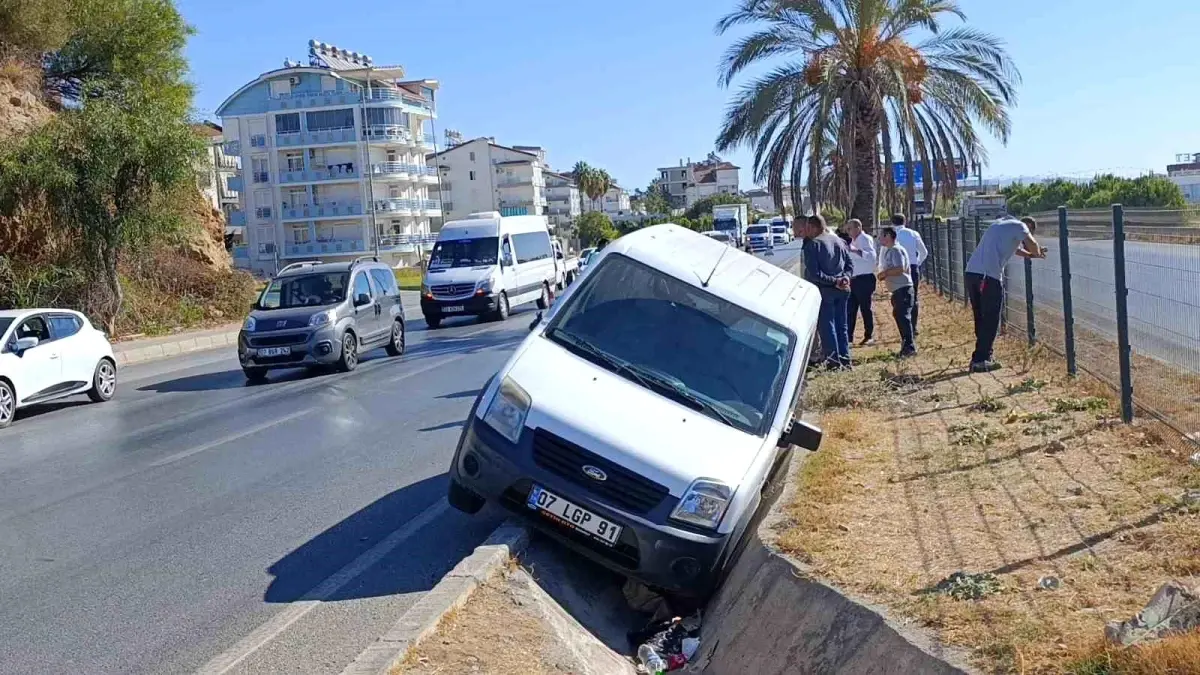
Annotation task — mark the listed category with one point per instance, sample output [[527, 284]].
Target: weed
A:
[[898, 380], [1084, 404], [975, 433], [1015, 416], [1025, 386], [987, 404], [963, 586]]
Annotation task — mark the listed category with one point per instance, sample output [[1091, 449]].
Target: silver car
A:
[[322, 314]]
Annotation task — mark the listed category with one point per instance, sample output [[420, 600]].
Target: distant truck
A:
[[732, 218], [986, 207], [566, 266]]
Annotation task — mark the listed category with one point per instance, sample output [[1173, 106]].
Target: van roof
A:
[[487, 225], [317, 267], [730, 273]]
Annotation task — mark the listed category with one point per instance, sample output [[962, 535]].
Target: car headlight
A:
[[249, 324], [321, 319], [425, 290], [487, 284], [506, 413], [703, 504]]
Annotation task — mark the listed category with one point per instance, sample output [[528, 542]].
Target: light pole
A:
[[367, 165]]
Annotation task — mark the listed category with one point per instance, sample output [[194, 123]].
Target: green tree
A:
[[654, 199], [594, 226], [859, 79], [706, 205], [1100, 192]]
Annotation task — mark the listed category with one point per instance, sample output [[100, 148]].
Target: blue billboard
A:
[[900, 172]]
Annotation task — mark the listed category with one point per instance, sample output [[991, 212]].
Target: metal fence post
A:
[[963, 240], [937, 257], [1030, 326], [1064, 257], [1124, 350]]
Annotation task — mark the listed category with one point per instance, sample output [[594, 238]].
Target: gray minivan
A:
[[322, 314]]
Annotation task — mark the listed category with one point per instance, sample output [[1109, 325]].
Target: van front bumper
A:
[[320, 347], [475, 305], [650, 549]]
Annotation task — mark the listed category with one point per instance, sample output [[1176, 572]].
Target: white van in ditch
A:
[[487, 264], [652, 411]]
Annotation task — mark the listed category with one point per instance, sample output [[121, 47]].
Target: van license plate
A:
[[274, 351], [563, 511], [451, 309]]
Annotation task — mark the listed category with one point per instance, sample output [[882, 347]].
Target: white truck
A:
[[732, 218], [566, 267], [987, 207]]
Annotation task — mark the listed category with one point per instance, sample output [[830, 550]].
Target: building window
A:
[[471, 175], [288, 123], [260, 169], [387, 116], [324, 120], [328, 83], [472, 154]]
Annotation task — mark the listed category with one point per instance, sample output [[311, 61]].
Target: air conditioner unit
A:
[[293, 81]]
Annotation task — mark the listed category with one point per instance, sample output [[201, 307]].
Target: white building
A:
[[1186, 174], [762, 201], [215, 170], [690, 182], [480, 175], [333, 159], [614, 203], [563, 196]]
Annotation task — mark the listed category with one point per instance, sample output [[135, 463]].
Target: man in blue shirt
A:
[[985, 280], [828, 266]]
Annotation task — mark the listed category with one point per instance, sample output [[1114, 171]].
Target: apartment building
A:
[[762, 201], [333, 160], [482, 175], [214, 172], [1185, 173], [614, 203], [690, 182]]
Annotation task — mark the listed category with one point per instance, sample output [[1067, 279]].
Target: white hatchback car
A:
[[47, 354]]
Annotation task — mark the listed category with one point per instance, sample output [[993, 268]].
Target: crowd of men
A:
[[848, 264]]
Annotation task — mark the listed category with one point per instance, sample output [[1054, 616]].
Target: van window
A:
[[464, 253], [386, 281], [532, 246], [678, 341], [361, 286], [307, 290]]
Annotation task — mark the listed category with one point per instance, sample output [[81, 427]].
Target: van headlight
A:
[[487, 284], [703, 504], [321, 319], [506, 413], [249, 324]]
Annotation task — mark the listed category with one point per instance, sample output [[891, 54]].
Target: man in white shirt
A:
[[914, 246], [862, 284]]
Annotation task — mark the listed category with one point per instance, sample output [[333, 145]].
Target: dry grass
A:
[[1177, 656], [1021, 473]]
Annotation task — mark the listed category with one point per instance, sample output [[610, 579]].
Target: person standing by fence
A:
[[862, 284], [985, 280], [895, 270], [914, 246], [827, 265]]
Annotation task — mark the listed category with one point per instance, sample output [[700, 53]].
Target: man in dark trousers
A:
[[827, 265], [896, 271], [985, 280], [862, 284], [914, 245]]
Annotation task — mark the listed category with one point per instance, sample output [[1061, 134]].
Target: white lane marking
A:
[[425, 369], [230, 438], [262, 635]]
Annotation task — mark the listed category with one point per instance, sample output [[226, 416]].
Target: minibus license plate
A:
[[450, 309], [578, 518]]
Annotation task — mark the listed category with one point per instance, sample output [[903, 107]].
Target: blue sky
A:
[[1109, 85]]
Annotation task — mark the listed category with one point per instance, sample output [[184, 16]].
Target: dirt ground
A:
[[1022, 475]]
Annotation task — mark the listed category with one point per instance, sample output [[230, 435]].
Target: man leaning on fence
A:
[[828, 266], [985, 279]]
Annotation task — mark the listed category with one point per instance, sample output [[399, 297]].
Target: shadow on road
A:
[[444, 425], [313, 562], [469, 393], [235, 379], [38, 409]]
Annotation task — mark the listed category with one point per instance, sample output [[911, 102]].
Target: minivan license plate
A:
[[450, 309], [569, 514], [275, 351]]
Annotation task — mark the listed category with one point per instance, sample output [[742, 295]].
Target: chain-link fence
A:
[[1118, 295]]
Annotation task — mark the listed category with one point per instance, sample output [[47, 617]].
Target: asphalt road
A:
[[195, 522]]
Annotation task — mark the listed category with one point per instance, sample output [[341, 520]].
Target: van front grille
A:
[[453, 290], [622, 488]]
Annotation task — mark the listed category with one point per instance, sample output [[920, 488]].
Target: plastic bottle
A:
[[651, 661]]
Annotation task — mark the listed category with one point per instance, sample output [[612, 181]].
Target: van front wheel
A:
[[543, 301], [502, 308]]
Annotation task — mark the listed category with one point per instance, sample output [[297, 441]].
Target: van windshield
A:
[[779, 228], [307, 290], [464, 253], [678, 341], [757, 229]]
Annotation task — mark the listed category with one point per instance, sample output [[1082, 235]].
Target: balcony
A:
[[237, 218], [560, 210], [398, 206], [322, 137], [406, 243], [397, 170], [342, 209], [232, 147], [298, 100], [518, 182], [387, 95], [330, 247], [388, 133], [340, 172], [431, 207], [235, 184]]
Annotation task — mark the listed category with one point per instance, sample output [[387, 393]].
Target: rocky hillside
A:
[[21, 106]]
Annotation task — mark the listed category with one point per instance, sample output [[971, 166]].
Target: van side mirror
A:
[[536, 320], [362, 299], [801, 434]]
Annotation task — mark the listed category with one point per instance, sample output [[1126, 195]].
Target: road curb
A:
[[153, 349], [451, 593]]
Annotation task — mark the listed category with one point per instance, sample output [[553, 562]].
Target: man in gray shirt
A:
[[985, 280], [895, 271]]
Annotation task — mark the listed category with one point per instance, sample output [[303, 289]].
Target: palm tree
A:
[[585, 177], [863, 79], [601, 184]]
